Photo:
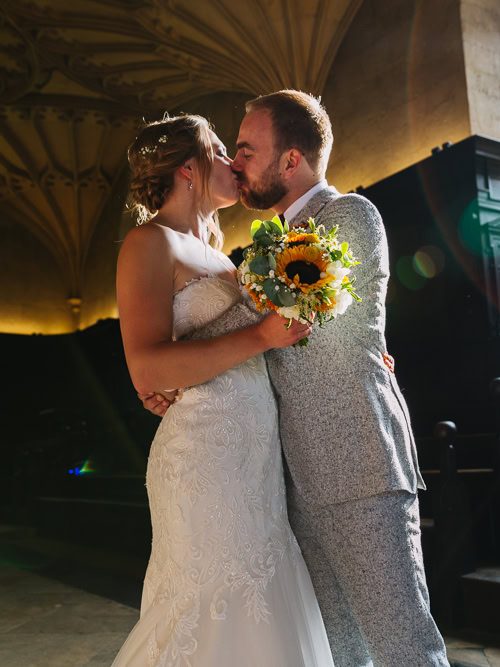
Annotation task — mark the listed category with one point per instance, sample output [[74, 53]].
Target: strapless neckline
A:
[[209, 276]]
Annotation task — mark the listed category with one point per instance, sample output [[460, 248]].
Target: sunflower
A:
[[299, 237], [304, 266]]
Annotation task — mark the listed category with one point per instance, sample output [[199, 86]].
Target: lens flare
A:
[[87, 467], [469, 229], [428, 261], [407, 274], [84, 469]]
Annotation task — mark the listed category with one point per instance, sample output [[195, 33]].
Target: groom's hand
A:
[[155, 403]]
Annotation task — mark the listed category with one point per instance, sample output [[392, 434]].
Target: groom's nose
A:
[[237, 165]]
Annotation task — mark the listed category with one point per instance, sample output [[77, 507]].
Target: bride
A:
[[226, 583]]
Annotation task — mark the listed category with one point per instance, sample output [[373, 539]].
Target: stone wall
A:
[[396, 89], [481, 40], [32, 291]]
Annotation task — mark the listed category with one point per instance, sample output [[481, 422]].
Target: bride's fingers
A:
[[155, 403], [161, 408]]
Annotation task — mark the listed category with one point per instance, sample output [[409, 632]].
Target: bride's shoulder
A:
[[149, 230], [149, 243], [149, 236]]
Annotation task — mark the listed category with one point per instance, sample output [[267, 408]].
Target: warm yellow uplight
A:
[[52, 324]]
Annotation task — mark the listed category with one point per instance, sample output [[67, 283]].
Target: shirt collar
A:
[[299, 203]]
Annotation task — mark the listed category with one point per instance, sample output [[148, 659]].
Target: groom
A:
[[351, 459]]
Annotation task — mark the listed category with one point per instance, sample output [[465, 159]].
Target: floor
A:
[[463, 653], [45, 623], [52, 616]]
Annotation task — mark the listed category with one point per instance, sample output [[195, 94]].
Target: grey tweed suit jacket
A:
[[344, 424]]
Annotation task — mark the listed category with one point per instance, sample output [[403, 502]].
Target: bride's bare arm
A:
[[145, 292]]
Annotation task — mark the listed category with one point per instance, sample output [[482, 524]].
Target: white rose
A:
[[344, 300], [339, 272], [336, 269], [290, 312], [333, 267]]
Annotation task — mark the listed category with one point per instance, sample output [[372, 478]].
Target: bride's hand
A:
[[276, 331], [155, 403]]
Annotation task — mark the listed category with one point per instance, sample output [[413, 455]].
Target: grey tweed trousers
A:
[[365, 562]]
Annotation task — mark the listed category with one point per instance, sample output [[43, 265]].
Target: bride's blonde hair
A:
[[160, 148]]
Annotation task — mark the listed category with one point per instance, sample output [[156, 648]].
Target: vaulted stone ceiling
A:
[[76, 78], [159, 52]]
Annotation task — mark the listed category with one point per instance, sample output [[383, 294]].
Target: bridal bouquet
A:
[[300, 273]]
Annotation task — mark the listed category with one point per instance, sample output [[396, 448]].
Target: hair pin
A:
[[146, 150]]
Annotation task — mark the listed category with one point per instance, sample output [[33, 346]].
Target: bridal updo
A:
[[160, 148]]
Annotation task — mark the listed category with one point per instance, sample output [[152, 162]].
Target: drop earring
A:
[[190, 185]]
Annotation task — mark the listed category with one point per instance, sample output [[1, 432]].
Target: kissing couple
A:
[[246, 570]]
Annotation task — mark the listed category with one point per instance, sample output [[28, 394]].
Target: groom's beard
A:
[[270, 190]]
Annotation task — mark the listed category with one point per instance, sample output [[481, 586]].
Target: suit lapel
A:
[[314, 206]]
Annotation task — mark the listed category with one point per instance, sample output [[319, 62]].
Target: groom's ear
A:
[[291, 160]]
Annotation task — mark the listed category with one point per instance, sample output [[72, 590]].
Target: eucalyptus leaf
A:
[[286, 296], [271, 260], [260, 231], [278, 222], [271, 292], [262, 237], [273, 228], [265, 240], [260, 265], [255, 226]]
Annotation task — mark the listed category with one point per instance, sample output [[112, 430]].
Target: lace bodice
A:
[[201, 301]]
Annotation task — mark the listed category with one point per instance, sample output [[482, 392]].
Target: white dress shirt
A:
[[299, 203]]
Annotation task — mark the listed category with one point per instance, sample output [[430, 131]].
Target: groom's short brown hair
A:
[[299, 121]]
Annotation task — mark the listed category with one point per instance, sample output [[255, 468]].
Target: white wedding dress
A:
[[226, 585]]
